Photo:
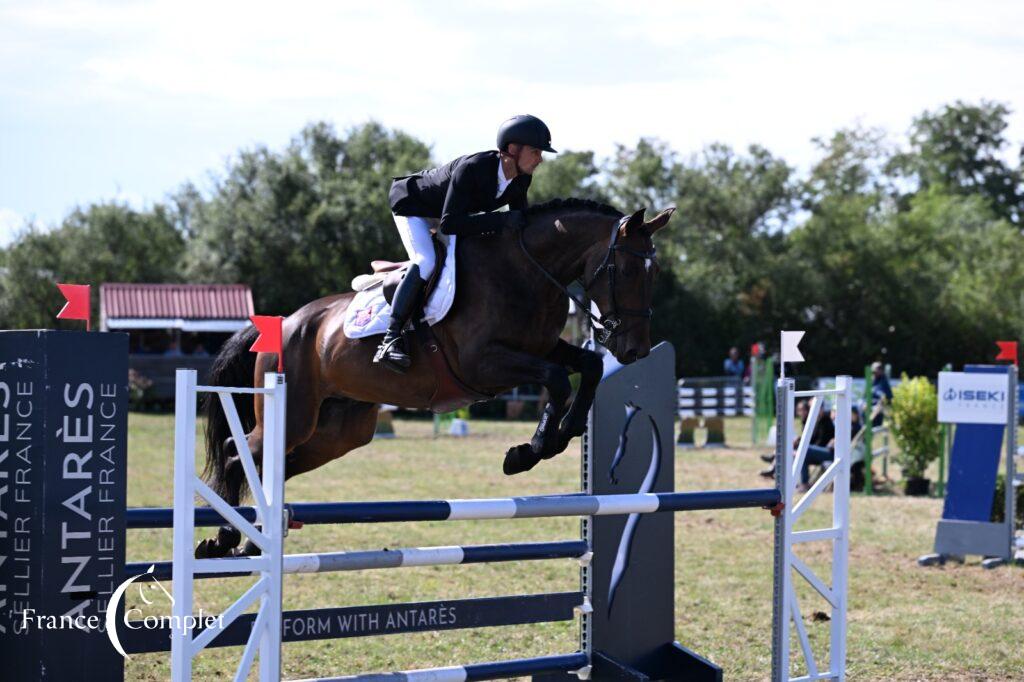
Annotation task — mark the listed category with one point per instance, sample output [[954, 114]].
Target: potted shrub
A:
[[915, 427], [139, 395]]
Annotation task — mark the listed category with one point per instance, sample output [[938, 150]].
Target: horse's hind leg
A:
[[303, 405], [342, 425]]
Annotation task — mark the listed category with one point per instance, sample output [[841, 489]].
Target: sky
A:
[[127, 101]]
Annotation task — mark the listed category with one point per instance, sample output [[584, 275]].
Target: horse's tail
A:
[[233, 366]]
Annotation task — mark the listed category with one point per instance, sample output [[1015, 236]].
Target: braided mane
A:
[[581, 205]]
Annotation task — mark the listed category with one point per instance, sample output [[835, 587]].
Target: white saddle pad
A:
[[369, 313]]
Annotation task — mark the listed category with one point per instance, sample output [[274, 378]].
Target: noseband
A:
[[610, 322]]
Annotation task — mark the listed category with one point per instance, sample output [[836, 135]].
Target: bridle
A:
[[610, 322]]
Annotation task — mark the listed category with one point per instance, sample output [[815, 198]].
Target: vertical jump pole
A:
[[785, 604], [274, 405], [782, 585], [841, 522], [267, 533], [184, 521], [1010, 488]]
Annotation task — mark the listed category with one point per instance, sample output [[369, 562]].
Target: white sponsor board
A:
[[973, 398]]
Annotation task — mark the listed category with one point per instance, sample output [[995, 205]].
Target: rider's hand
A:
[[516, 219]]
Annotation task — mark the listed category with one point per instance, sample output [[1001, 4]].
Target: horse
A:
[[502, 331]]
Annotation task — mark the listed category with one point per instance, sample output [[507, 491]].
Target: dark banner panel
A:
[[63, 455]]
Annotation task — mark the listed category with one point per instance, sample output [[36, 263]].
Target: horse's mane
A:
[[567, 205]]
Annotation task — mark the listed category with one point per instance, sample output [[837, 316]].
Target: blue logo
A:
[[974, 396]]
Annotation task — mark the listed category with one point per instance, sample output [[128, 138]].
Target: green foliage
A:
[[960, 149], [642, 177], [723, 254], [302, 223], [569, 174], [912, 255], [139, 390], [999, 503], [101, 243], [915, 425]]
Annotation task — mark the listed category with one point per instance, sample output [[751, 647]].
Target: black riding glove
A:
[[482, 223], [516, 219]]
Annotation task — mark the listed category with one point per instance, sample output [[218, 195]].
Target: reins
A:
[[610, 323]]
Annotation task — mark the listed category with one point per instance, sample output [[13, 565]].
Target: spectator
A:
[[819, 450], [173, 349], [880, 390], [734, 365]]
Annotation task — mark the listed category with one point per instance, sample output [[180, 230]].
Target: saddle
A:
[[450, 393], [394, 272]]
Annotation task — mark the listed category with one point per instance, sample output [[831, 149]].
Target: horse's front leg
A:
[[502, 366], [591, 368]]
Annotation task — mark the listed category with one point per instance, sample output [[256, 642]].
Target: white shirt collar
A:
[[502, 180]]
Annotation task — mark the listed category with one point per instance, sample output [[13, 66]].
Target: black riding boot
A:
[[392, 352]]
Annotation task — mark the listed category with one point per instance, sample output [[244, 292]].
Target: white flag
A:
[[790, 347]]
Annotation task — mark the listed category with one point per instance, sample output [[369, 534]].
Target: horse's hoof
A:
[[208, 549], [519, 459], [250, 549]]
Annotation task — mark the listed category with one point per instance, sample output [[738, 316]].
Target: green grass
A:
[[905, 622]]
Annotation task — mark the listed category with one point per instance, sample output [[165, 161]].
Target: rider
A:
[[464, 194]]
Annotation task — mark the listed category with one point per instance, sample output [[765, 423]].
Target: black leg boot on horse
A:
[[392, 352]]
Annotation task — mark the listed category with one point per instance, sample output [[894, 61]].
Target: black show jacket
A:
[[458, 190]]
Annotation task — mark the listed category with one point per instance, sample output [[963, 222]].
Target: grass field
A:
[[905, 622]]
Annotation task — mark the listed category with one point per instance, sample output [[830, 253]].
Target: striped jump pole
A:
[[540, 506], [375, 559]]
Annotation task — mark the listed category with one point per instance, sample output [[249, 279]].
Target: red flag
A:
[[269, 340], [1007, 351], [77, 306]]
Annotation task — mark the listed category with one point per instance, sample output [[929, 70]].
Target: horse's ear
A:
[[635, 222], [659, 221]]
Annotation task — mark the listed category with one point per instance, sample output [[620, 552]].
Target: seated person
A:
[[821, 449], [822, 441], [821, 455]]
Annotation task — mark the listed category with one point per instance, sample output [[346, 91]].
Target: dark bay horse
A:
[[502, 331]]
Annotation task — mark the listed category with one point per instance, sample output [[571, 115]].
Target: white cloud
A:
[[144, 95]]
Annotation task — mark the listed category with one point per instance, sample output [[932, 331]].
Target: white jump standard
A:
[[72, 525], [610, 539]]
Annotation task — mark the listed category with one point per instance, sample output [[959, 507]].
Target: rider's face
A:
[[527, 157]]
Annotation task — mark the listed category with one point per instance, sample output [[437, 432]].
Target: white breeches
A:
[[418, 243]]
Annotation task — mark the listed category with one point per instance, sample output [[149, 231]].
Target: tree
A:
[[569, 174], [724, 247], [641, 177], [300, 224], [108, 242], [959, 148]]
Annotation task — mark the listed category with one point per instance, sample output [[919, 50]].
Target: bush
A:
[[999, 502], [915, 425], [139, 395]]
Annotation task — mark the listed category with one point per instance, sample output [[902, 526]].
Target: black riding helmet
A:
[[525, 129]]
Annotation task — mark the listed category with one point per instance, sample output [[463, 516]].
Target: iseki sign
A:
[[973, 398]]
